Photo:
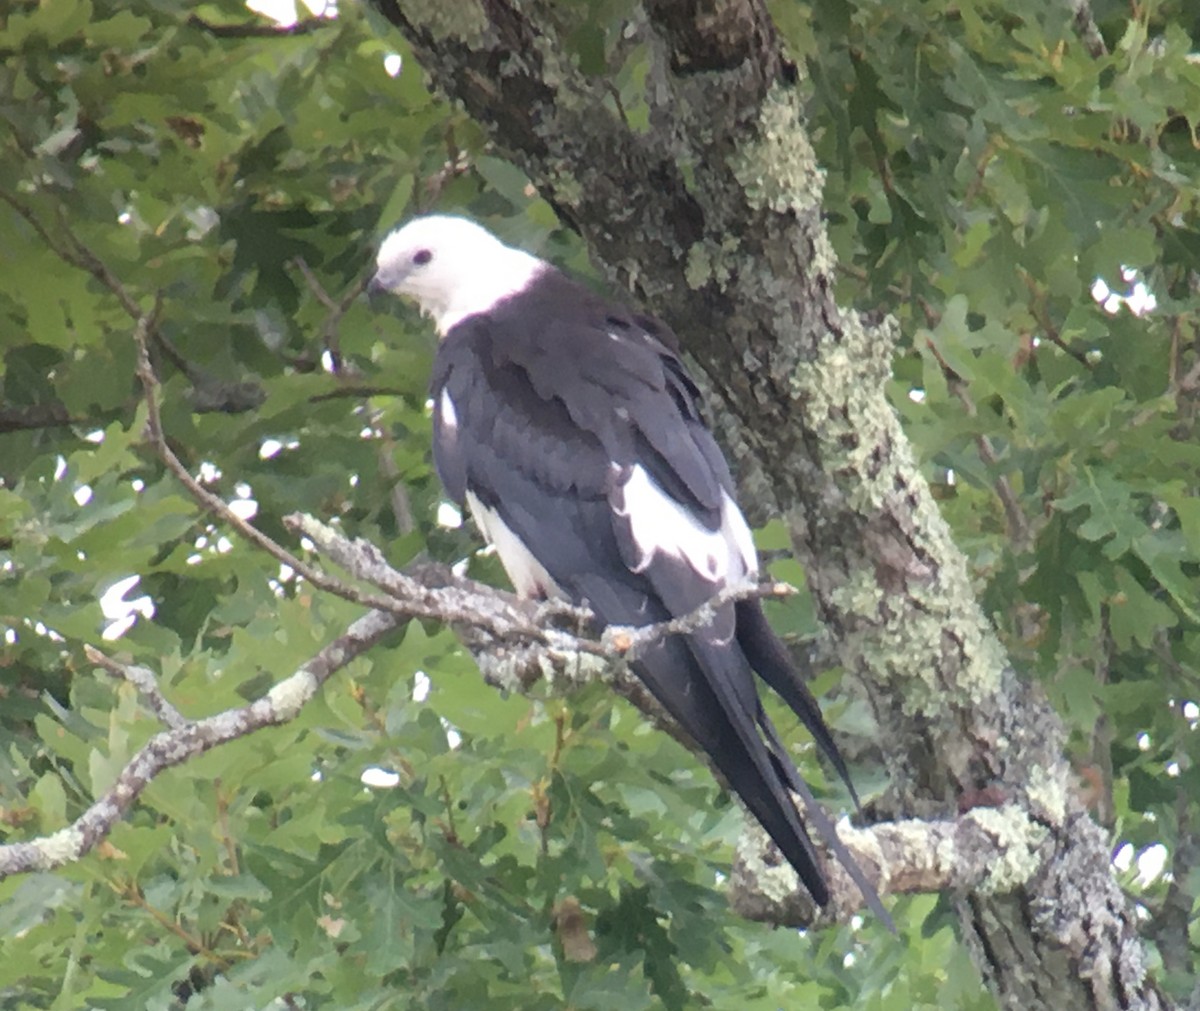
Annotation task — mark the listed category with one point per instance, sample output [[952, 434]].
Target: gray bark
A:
[[711, 217]]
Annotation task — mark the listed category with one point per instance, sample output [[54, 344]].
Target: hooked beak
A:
[[376, 287]]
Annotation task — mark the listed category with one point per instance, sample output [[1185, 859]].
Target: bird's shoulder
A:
[[560, 378], [561, 333]]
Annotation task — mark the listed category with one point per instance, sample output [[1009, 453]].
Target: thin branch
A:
[[260, 30], [402, 512], [456, 602], [143, 679], [1037, 309], [1087, 29], [209, 394], [36, 416], [337, 307], [1018, 526], [401, 507], [314, 285], [630, 642], [357, 392], [503, 616], [214, 504], [482, 611], [176, 357], [522, 643], [75, 253], [131, 892], [179, 744]]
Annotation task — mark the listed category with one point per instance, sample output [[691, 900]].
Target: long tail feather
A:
[[769, 657]]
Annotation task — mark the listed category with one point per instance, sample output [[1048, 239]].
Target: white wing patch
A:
[[528, 576], [657, 523], [446, 412]]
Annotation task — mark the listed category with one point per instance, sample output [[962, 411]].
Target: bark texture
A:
[[705, 205]]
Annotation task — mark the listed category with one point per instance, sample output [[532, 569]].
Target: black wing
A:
[[573, 432]]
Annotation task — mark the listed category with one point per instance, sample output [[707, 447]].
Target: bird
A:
[[569, 426]]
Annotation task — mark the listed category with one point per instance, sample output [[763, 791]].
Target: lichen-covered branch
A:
[[483, 610], [515, 641], [184, 741], [143, 679], [1086, 27], [518, 643], [987, 850], [711, 216]]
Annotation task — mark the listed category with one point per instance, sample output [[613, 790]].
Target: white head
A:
[[452, 267]]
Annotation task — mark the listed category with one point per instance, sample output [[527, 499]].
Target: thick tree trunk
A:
[[710, 215]]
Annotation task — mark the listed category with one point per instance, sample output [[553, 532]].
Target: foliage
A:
[[983, 170]]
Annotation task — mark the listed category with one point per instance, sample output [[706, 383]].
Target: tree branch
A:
[[29, 417], [208, 392], [217, 507], [260, 30], [73, 252], [187, 740], [490, 621], [1087, 29], [983, 849], [336, 308], [143, 679]]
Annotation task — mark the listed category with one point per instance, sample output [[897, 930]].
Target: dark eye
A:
[[422, 257]]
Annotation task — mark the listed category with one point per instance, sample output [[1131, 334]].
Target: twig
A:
[[77, 255], [401, 508], [630, 642], [209, 393], [462, 602], [36, 416], [1087, 29], [1018, 526], [1049, 331], [143, 679], [217, 506], [504, 616], [131, 892], [176, 358], [402, 512], [337, 307], [357, 392], [315, 286], [259, 30]]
